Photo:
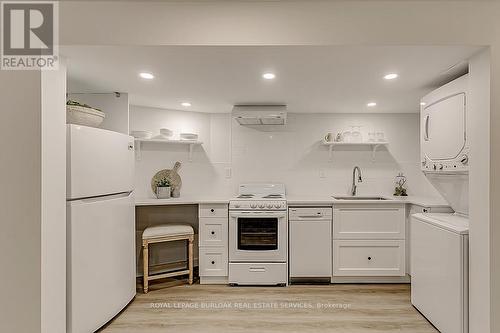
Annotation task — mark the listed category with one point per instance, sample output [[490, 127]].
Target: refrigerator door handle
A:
[[105, 197]]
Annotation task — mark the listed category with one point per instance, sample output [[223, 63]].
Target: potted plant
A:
[[163, 188]]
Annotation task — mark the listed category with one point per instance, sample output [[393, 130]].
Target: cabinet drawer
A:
[[213, 231], [369, 222], [369, 258], [268, 273], [213, 210], [213, 261]]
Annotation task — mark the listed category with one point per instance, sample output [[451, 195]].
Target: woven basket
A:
[[84, 116]]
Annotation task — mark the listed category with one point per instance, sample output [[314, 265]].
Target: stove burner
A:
[[245, 196], [273, 196]]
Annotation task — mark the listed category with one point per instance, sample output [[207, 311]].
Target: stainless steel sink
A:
[[359, 198]]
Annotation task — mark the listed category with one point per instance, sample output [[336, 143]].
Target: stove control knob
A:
[[269, 205], [441, 167], [253, 205], [277, 205], [464, 159], [262, 205]]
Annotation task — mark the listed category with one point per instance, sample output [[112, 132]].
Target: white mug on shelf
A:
[[347, 135]]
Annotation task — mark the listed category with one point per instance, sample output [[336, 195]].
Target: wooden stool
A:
[[167, 233]]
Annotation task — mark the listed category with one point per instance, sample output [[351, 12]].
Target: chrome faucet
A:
[[354, 187]]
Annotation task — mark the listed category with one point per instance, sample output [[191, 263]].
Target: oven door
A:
[[258, 236]]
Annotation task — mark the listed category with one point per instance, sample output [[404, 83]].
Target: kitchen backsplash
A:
[[292, 154]]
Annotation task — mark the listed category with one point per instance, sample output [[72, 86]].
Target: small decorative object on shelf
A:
[[173, 177], [163, 188], [400, 189]]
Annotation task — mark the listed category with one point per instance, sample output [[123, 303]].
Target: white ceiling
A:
[[309, 79]]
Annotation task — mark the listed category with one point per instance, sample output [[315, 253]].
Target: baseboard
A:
[[214, 280], [371, 279]]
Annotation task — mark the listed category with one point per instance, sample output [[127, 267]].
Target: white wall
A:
[[478, 118], [115, 108], [291, 154], [204, 174], [20, 204], [53, 197]]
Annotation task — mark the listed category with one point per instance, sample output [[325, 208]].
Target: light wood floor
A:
[[352, 308]]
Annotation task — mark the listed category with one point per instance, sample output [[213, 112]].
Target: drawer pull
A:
[[369, 258], [213, 262], [212, 210], [212, 232], [257, 269]]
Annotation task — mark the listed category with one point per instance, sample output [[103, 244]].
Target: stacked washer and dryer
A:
[[439, 241]]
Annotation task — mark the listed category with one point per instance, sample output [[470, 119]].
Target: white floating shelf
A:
[[190, 143], [372, 144]]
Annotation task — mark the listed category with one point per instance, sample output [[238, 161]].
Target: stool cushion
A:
[[167, 230]]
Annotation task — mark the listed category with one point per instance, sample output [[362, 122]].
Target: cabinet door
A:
[[310, 249], [213, 261], [369, 222], [369, 258], [213, 231]]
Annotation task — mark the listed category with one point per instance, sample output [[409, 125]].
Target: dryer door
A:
[[443, 128]]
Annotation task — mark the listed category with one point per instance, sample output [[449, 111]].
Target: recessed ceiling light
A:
[[186, 104], [422, 103], [391, 76], [146, 75], [371, 104], [268, 76]]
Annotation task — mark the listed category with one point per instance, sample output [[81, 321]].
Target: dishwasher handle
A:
[[310, 214], [319, 216], [310, 218]]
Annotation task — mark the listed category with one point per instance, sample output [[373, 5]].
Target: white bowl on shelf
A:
[[167, 133], [141, 134], [188, 136], [80, 115]]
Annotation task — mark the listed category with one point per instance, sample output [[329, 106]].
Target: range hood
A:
[[260, 114]]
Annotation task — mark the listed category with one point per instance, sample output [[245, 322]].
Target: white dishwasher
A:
[[310, 243]]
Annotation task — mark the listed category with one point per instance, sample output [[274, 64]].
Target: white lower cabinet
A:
[[213, 261], [213, 243], [369, 242], [369, 257]]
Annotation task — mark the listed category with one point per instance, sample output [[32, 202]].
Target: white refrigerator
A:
[[100, 226]]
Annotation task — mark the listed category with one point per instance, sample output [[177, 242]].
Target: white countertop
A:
[[183, 200], [318, 200]]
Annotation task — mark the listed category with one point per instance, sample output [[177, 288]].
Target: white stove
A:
[[269, 197], [258, 235]]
